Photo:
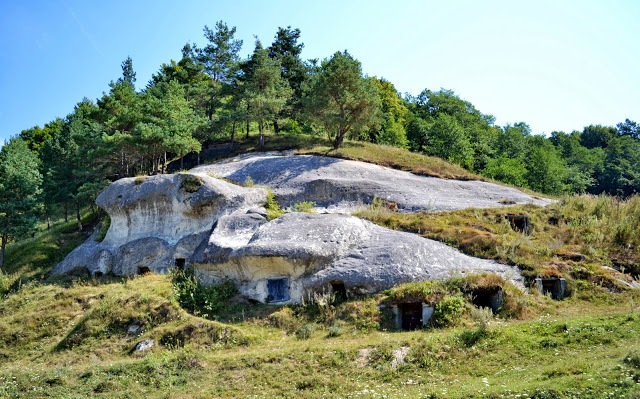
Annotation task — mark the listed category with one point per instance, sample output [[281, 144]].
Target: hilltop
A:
[[76, 336]]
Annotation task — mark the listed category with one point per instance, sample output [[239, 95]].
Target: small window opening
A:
[[180, 262], [339, 290], [143, 270], [410, 315], [278, 290], [488, 298], [518, 222]]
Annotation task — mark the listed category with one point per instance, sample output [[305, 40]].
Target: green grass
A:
[[393, 157], [68, 337], [73, 342], [603, 230]]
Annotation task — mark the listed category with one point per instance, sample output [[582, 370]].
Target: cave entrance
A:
[[180, 262], [410, 315], [339, 290], [143, 270], [278, 289], [518, 222], [554, 286], [492, 297]]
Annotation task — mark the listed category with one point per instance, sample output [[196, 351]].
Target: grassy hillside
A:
[[389, 156], [70, 337]]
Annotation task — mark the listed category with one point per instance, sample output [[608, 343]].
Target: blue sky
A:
[[556, 65]]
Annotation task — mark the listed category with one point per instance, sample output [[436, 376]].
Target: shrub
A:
[[320, 305], [305, 331], [139, 180], [204, 301], [285, 319], [633, 358], [448, 310], [304, 206], [364, 314], [335, 330], [248, 182], [191, 183], [273, 208]]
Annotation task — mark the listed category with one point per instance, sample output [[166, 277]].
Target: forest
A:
[[211, 96]]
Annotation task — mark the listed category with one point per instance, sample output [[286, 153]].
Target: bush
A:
[[273, 208], [335, 330], [633, 358], [204, 301], [304, 206], [305, 331], [191, 183], [448, 310], [285, 319]]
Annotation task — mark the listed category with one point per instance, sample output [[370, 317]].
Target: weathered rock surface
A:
[[342, 185], [316, 250], [170, 207], [221, 229], [157, 219]]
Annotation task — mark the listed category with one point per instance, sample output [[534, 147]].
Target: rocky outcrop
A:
[[170, 207], [314, 251], [157, 219], [339, 185], [221, 229]]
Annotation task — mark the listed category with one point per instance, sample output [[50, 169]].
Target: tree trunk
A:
[[182, 162], [3, 238], [338, 140], [276, 128], [261, 129], [66, 212], [247, 129], [233, 133], [164, 163], [78, 216]]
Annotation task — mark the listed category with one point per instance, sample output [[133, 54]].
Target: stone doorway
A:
[[278, 290], [410, 316], [492, 297], [339, 290]]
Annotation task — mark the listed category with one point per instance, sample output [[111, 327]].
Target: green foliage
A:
[[265, 90], [273, 208], [191, 183], [20, 182], [305, 331], [304, 206], [248, 182], [448, 310], [392, 130], [507, 170], [341, 100], [335, 330], [204, 301], [105, 223], [633, 359]]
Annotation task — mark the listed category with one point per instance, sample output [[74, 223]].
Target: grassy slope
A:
[[68, 337]]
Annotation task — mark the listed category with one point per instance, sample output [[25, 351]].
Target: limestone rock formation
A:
[[312, 252], [157, 219], [221, 229], [342, 185]]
